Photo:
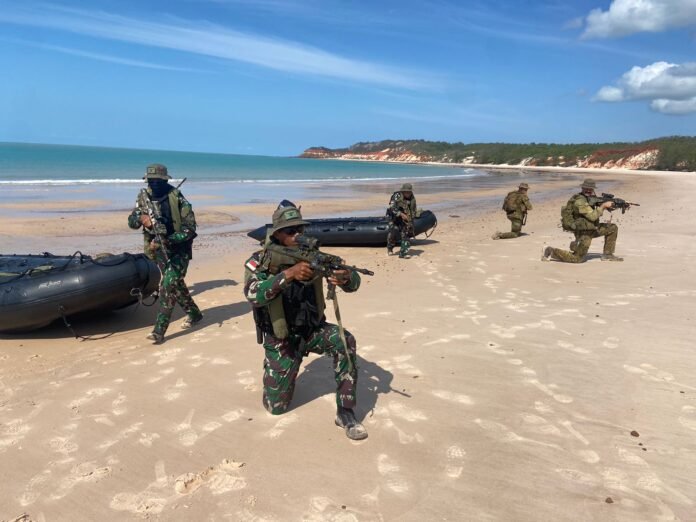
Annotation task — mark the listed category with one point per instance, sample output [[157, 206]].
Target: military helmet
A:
[[406, 187], [285, 217], [589, 184], [156, 171], [523, 186]]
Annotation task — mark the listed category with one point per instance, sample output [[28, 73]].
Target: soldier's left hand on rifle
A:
[[339, 277]]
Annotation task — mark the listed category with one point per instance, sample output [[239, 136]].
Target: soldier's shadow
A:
[[316, 379], [199, 288]]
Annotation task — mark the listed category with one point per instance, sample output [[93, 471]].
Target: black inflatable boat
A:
[[35, 290], [357, 231]]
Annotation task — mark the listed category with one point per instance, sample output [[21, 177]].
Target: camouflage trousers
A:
[[173, 290], [399, 230], [516, 229], [282, 363], [583, 240]]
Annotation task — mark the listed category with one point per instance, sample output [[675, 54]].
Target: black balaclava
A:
[[159, 187]]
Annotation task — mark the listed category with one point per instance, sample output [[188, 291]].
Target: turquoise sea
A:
[[26, 164]]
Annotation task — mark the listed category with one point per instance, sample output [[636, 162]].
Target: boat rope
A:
[[75, 334]]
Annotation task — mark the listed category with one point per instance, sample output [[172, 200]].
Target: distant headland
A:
[[674, 153]]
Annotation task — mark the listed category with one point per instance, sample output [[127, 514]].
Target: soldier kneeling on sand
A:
[[288, 303], [515, 205], [581, 216]]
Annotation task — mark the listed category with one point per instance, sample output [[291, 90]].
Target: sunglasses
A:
[[291, 231]]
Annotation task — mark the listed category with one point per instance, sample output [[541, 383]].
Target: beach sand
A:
[[493, 386]]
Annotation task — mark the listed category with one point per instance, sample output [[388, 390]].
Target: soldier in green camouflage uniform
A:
[[586, 226], [168, 241], [288, 309], [516, 205], [402, 211]]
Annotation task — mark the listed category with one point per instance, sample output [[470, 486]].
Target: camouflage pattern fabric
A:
[[516, 216], [283, 356], [173, 290], [399, 229], [282, 363], [186, 229], [583, 240]]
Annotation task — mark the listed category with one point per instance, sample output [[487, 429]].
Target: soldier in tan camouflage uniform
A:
[[289, 314], [168, 241], [586, 226], [516, 205]]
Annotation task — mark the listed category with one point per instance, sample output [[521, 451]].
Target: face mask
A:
[[159, 187]]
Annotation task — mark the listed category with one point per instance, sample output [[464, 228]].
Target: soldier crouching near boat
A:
[[169, 228], [289, 314]]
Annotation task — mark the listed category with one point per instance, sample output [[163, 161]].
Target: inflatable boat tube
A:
[[358, 231], [35, 290]]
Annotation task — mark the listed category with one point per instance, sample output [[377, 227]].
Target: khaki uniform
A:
[[517, 214], [587, 227]]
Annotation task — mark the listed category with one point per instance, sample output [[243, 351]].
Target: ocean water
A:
[[27, 164]]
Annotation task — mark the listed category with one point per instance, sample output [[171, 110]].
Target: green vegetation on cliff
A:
[[668, 153]]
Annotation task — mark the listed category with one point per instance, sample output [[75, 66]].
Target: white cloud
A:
[[626, 17], [210, 39], [671, 87]]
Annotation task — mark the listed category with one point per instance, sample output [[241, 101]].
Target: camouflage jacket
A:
[[261, 287], [586, 216], [521, 205], [399, 204], [183, 223]]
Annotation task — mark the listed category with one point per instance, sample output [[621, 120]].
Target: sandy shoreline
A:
[[493, 386]]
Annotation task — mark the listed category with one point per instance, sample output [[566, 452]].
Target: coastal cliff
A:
[[672, 153]]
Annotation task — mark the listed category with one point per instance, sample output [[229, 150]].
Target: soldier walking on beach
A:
[[401, 212], [169, 227], [581, 216], [515, 205], [288, 303]]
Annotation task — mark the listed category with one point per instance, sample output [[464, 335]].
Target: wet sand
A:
[[493, 386]]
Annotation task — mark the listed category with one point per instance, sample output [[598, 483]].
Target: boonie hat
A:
[[589, 184], [523, 186], [406, 187], [156, 171], [285, 217]]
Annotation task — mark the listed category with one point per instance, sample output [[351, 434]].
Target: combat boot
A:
[[190, 322], [155, 337], [572, 246], [496, 235], [390, 251], [548, 252], [611, 257], [345, 418]]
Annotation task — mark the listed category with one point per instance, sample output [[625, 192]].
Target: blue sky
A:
[[278, 76]]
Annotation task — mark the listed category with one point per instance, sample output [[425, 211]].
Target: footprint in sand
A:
[[219, 479], [85, 472], [688, 417], [117, 407], [579, 477], [233, 415], [455, 461], [174, 392], [611, 343], [324, 508], [453, 397], [187, 435], [279, 428], [30, 492], [390, 471], [413, 332], [404, 412], [150, 501]]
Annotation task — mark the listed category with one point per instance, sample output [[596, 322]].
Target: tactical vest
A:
[[512, 202], [409, 206], [572, 220], [274, 263], [175, 212]]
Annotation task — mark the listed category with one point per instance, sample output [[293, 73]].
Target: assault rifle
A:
[[618, 202], [154, 212], [324, 265]]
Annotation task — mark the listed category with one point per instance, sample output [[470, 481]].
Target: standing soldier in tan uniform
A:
[[581, 216], [516, 205]]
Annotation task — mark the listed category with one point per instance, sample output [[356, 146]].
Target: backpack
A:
[[568, 215], [511, 202]]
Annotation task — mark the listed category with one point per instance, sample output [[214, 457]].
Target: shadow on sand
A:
[[317, 380]]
